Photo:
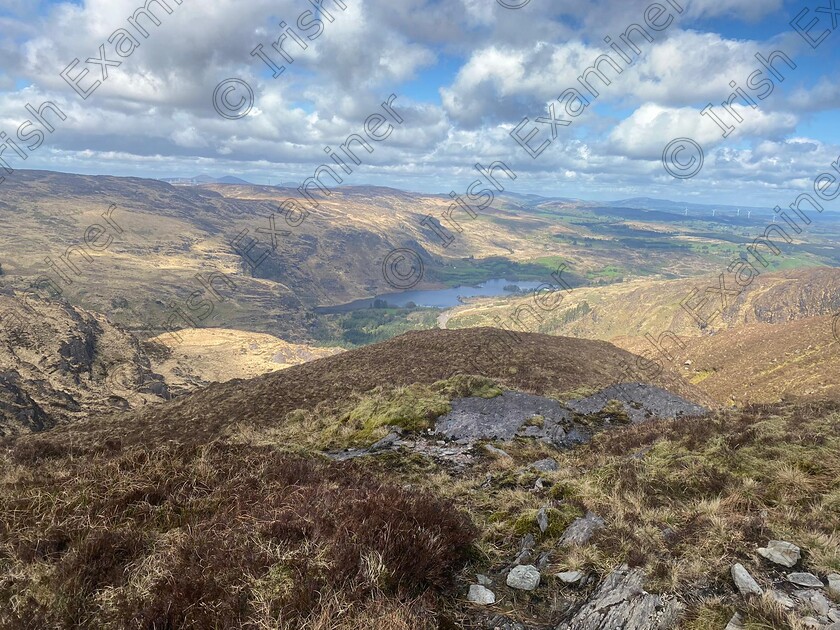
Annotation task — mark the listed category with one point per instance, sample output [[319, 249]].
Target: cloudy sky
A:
[[465, 73]]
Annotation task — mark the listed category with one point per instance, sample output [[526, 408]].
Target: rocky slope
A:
[[59, 363], [459, 508]]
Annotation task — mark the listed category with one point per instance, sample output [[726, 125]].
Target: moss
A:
[[464, 386], [559, 518], [536, 421], [515, 479], [413, 408]]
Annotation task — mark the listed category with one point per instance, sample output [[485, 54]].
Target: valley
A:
[[544, 415]]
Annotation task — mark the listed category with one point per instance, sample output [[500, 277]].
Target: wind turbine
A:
[[739, 213], [686, 212], [749, 214], [714, 213]]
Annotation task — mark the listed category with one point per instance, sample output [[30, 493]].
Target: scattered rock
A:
[[542, 519], [811, 623], [805, 579], [545, 465], [736, 623], [483, 580], [621, 602], [496, 452], [581, 530], [744, 581], [524, 577], [481, 595], [782, 599], [781, 552], [820, 604], [571, 577], [386, 442], [527, 543], [834, 584]]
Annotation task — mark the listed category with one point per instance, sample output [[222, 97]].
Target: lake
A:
[[436, 298]]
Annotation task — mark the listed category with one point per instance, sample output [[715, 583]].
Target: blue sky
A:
[[465, 73]]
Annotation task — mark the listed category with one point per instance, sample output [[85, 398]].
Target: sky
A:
[[465, 73]]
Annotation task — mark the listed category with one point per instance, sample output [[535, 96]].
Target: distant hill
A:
[[204, 179], [634, 309]]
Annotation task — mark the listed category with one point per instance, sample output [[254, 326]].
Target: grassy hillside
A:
[[634, 309], [264, 533], [534, 363]]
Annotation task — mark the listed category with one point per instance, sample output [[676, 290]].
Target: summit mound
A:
[[540, 364]]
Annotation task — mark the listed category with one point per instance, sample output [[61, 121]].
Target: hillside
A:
[[633, 309], [216, 355], [60, 363], [177, 256], [534, 363], [766, 363], [220, 509]]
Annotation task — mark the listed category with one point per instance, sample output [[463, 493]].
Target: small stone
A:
[[571, 577], [833, 626], [820, 604], [496, 452], [736, 623], [805, 579], [811, 623], [545, 465], [542, 520], [483, 580], [834, 615], [581, 530], [386, 442], [782, 599], [834, 584], [744, 581], [480, 595], [781, 552], [524, 577], [527, 543]]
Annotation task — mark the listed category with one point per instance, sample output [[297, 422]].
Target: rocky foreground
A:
[[387, 488]]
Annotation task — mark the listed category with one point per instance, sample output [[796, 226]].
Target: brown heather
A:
[[216, 537]]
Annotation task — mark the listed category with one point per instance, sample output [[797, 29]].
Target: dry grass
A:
[[250, 536], [218, 537]]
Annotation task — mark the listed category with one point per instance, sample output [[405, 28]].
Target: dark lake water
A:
[[437, 298]]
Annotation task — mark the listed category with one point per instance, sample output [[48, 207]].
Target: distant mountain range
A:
[[204, 179]]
